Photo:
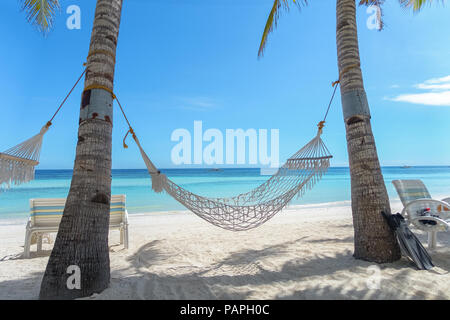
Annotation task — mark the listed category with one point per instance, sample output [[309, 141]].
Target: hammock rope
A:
[[249, 210], [17, 164]]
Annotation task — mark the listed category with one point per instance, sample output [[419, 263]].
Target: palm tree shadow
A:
[[250, 256], [233, 276], [440, 259], [145, 284], [22, 288], [218, 282], [148, 254], [33, 254], [328, 292], [334, 240], [9, 257]]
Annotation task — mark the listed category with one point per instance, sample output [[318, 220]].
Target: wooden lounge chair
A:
[[46, 214], [421, 210]]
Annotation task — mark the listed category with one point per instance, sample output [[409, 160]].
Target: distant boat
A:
[[406, 167], [215, 169]]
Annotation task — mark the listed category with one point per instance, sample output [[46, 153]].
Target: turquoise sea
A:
[[136, 184]]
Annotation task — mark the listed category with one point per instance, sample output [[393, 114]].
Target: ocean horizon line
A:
[[255, 168]]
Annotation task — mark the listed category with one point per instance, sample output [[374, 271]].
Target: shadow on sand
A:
[[234, 276]]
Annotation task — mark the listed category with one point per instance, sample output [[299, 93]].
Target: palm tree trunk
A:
[[82, 239], [374, 241]]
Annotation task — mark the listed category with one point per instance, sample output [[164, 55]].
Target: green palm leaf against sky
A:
[[416, 5], [273, 19], [284, 4], [41, 13]]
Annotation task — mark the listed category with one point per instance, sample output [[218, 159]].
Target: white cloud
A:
[[438, 80], [197, 103], [444, 86], [430, 98], [438, 93]]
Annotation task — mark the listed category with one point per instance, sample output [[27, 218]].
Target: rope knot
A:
[[321, 125], [125, 146]]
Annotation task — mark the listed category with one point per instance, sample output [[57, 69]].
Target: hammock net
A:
[[249, 210]]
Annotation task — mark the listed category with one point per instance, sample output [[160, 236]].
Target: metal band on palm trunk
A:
[[354, 103], [97, 104]]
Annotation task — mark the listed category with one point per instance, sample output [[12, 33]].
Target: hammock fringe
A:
[[14, 173], [17, 164], [159, 182]]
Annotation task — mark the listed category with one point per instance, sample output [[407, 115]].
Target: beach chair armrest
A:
[[28, 223], [437, 217], [440, 224], [424, 201]]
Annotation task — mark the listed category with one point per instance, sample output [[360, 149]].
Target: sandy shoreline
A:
[[305, 252]]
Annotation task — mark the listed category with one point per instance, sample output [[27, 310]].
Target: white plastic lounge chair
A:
[[46, 214], [421, 210]]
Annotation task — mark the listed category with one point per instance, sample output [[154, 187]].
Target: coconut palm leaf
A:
[[41, 13], [274, 14], [273, 19], [416, 5]]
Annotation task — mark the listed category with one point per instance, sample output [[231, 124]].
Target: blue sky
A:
[[181, 61]]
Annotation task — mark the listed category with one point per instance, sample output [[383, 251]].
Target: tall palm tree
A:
[[82, 238], [374, 241]]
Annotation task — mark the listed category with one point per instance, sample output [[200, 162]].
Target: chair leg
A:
[[432, 240], [27, 244], [125, 235], [39, 243], [121, 235]]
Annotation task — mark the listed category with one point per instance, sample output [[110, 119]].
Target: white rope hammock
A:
[[17, 163], [250, 210]]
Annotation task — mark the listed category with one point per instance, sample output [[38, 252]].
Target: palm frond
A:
[[41, 13], [416, 5], [272, 20], [379, 5]]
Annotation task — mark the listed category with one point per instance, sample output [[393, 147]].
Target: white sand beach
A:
[[305, 252]]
